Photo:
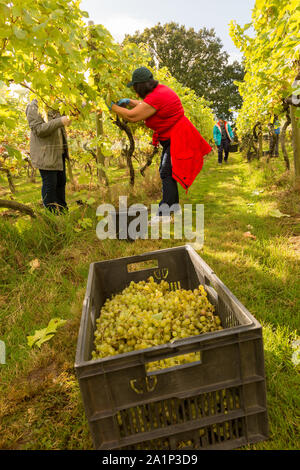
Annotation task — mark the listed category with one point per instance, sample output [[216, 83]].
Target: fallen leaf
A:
[[41, 336], [277, 213], [257, 192], [34, 264], [249, 235]]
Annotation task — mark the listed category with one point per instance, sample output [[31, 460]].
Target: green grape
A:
[[147, 314]]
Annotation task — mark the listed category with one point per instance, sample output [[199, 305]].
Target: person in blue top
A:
[[223, 135]]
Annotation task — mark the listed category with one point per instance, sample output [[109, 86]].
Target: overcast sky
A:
[[127, 16]]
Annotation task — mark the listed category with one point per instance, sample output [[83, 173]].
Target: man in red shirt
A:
[[183, 146]]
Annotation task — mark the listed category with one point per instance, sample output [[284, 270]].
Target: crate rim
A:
[[197, 339]]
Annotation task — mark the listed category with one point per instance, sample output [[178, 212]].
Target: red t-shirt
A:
[[169, 122], [169, 110]]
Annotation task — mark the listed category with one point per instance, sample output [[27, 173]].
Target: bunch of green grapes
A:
[[147, 314]]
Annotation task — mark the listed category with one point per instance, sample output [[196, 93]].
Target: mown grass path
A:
[[40, 403]]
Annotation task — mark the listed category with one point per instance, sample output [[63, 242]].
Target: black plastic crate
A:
[[217, 402], [233, 148]]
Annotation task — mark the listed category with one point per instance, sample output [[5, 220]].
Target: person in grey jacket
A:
[[48, 151]]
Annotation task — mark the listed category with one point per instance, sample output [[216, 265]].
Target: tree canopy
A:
[[197, 60]]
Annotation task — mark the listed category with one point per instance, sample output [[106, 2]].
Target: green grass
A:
[[40, 402]]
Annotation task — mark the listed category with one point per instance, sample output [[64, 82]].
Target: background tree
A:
[[197, 60]]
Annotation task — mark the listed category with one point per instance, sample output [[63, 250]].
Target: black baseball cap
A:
[[140, 75]]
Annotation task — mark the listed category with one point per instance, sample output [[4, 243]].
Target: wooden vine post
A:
[[283, 135], [99, 155], [257, 134], [9, 179], [70, 172], [271, 140], [260, 142], [296, 145], [149, 161], [129, 151], [294, 105]]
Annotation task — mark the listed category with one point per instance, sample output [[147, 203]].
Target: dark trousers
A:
[[54, 189], [276, 149], [170, 194], [224, 146]]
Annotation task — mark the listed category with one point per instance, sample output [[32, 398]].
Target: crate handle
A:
[[143, 384], [198, 358], [141, 265]]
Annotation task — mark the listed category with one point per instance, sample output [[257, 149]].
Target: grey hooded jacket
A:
[[46, 144]]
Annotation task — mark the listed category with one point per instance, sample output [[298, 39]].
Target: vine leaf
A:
[[41, 336]]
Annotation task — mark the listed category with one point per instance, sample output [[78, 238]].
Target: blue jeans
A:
[[54, 189], [170, 194]]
